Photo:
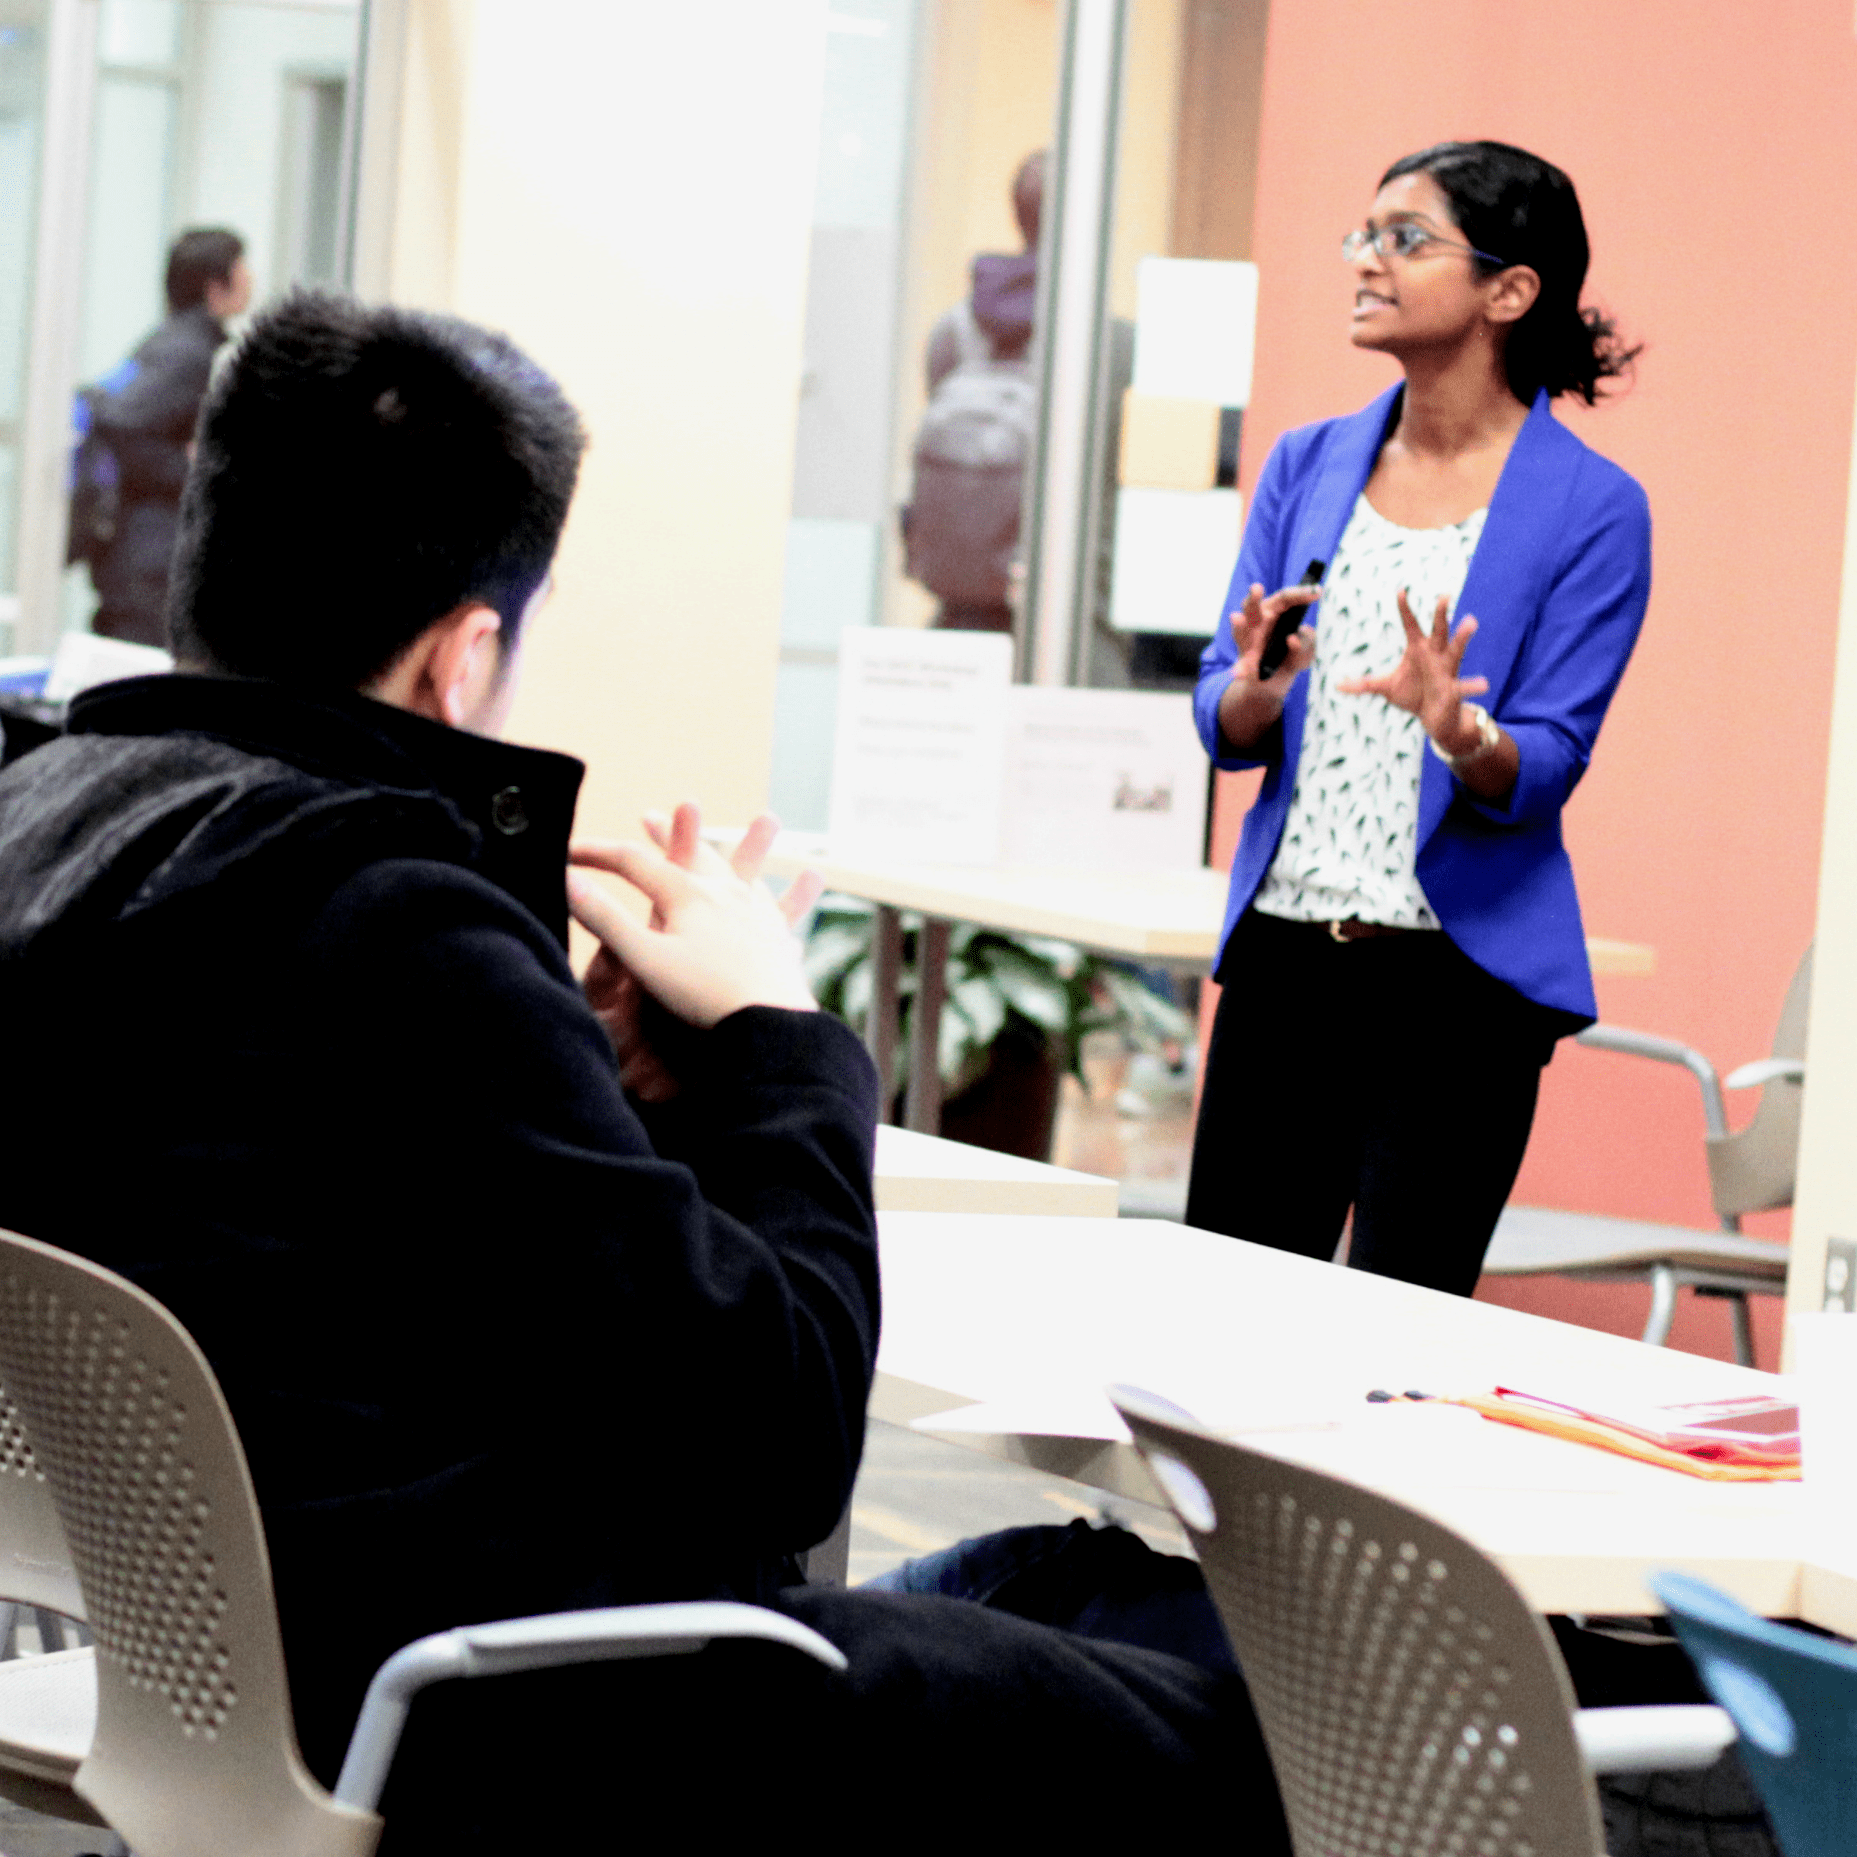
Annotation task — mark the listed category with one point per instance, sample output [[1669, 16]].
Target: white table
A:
[[924, 1173], [1159, 918], [1022, 1321]]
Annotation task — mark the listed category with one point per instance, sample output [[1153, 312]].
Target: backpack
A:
[[962, 524], [95, 484]]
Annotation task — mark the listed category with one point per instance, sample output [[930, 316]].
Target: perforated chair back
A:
[[35, 1561], [1753, 1169], [1413, 1703], [195, 1752], [1793, 1698]]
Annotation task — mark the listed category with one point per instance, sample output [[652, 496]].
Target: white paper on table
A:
[[919, 753], [1174, 554], [1103, 780], [1195, 329], [1072, 1413]]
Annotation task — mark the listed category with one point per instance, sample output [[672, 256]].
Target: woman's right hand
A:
[[1250, 704]]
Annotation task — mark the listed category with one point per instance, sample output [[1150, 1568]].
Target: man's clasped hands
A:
[[716, 939]]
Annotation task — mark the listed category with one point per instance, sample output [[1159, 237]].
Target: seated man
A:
[[501, 1335]]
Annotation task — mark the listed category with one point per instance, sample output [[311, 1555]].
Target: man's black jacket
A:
[[295, 1046], [148, 422]]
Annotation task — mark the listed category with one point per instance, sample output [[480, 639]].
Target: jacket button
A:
[[507, 812]]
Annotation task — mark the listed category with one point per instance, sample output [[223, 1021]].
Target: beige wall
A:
[[626, 188]]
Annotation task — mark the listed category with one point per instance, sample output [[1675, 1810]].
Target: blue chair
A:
[[1793, 1697]]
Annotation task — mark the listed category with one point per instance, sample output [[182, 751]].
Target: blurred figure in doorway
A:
[[142, 415], [961, 529]]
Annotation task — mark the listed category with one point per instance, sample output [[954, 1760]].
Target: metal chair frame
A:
[[1749, 1169]]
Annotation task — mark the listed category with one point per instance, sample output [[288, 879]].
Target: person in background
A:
[[145, 413], [1402, 945], [961, 529]]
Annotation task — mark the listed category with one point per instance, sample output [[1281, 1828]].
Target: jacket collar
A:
[[519, 802]]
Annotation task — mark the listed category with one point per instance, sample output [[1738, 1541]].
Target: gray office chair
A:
[[188, 1748], [1413, 1703], [1750, 1170]]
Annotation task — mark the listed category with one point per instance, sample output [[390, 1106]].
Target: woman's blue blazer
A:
[[1558, 585]]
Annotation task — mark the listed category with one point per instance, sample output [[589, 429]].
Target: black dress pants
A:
[[1391, 1075]]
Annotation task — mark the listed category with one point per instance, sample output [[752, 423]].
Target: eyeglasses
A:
[[1406, 238]]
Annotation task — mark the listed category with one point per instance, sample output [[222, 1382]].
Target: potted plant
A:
[[1017, 1010]]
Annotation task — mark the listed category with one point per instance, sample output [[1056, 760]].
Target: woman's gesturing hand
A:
[[1252, 625], [716, 940], [1249, 704], [1425, 681]]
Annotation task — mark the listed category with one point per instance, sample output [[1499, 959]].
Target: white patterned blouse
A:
[[1351, 837]]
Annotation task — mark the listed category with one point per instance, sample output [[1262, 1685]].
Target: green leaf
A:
[[832, 950], [1036, 996], [960, 1050], [1062, 956], [854, 1001], [1138, 1012], [980, 1001]]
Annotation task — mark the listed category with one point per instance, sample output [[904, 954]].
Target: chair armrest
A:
[[1765, 1070], [1667, 1738], [515, 1644], [1604, 1037]]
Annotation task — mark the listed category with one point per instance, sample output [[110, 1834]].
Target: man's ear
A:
[[449, 671], [1514, 294]]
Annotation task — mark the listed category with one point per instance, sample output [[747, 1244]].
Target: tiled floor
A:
[[27, 1834], [917, 1493], [1148, 1153]]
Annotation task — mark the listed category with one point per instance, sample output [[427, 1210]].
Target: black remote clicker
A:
[[1289, 622]]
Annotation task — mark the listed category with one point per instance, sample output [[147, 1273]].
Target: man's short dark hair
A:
[[361, 473], [205, 255]]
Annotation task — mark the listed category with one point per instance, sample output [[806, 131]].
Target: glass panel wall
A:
[[208, 113], [23, 26], [843, 505], [931, 108]]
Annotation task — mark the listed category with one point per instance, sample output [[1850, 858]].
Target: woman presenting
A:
[[1403, 945]]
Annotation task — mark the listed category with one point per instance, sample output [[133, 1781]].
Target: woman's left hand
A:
[[1425, 682]]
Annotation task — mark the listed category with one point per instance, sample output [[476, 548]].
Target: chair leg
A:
[[1743, 1328], [1663, 1305]]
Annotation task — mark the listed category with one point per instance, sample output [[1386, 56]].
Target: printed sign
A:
[[917, 765], [940, 759], [1104, 780]]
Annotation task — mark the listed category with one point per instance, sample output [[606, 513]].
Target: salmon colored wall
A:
[[1715, 150]]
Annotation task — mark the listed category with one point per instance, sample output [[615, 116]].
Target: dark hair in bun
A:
[[1523, 210]]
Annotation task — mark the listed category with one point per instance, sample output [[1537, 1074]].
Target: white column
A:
[[371, 155], [57, 290], [1080, 204]]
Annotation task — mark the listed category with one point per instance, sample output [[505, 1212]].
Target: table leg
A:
[[886, 979], [922, 1107]]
